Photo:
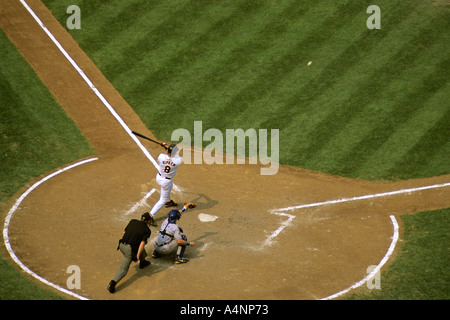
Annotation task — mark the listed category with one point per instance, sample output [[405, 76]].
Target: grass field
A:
[[37, 136], [420, 272], [372, 105]]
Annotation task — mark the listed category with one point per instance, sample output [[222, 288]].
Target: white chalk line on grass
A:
[[365, 197], [11, 213], [90, 84]]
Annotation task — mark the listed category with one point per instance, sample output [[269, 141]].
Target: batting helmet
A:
[[173, 149]]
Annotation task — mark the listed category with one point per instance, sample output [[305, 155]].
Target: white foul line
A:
[[16, 206], [365, 197], [395, 236], [285, 224], [113, 112], [90, 84]]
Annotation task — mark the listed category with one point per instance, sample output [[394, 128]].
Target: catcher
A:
[[170, 236]]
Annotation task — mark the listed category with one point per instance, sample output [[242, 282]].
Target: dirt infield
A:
[[77, 217]]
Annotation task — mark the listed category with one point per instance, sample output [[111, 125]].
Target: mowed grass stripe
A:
[[130, 29], [358, 136], [430, 152], [263, 82], [368, 92], [216, 66], [246, 76], [144, 52], [111, 17], [339, 64], [179, 56], [410, 119], [193, 62], [296, 80], [407, 98], [325, 101], [259, 68], [36, 134], [225, 66], [432, 163], [295, 93]]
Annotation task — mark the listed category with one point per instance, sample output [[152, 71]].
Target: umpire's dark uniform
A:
[[136, 234]]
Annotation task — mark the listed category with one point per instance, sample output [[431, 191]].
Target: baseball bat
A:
[[142, 136]]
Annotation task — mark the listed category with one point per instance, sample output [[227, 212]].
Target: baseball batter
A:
[[168, 163]]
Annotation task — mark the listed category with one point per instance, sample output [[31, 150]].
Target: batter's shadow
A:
[[202, 205], [208, 204]]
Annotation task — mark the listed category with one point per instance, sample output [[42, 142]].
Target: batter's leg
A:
[[166, 189]]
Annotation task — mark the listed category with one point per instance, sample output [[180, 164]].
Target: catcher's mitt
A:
[[190, 205]]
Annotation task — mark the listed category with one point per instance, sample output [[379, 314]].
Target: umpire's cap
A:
[[146, 217]]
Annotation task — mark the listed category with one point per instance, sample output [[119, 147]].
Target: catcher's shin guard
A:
[[180, 251]]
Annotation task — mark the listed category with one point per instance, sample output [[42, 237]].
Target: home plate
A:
[[203, 217]]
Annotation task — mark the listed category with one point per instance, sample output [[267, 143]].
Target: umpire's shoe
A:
[[143, 264], [156, 254], [112, 286]]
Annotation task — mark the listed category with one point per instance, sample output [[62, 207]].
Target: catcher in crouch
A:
[[170, 237]]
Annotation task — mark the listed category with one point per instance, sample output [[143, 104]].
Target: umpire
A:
[[132, 246]]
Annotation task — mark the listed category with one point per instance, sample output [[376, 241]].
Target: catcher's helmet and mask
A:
[[174, 215]]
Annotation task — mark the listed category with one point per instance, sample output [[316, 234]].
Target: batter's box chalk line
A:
[[286, 223], [143, 202], [140, 204]]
